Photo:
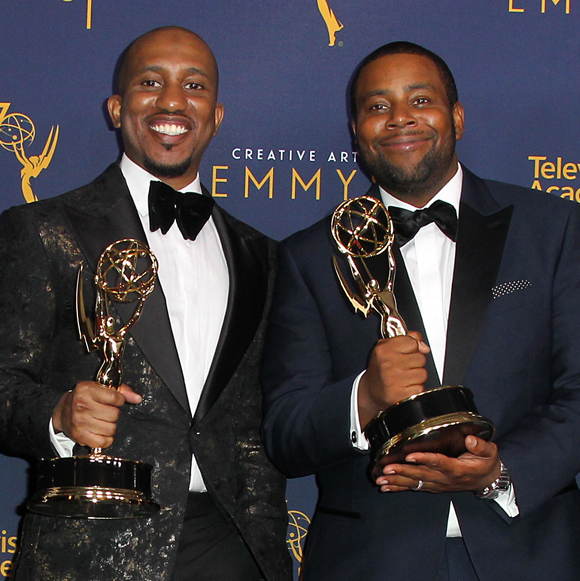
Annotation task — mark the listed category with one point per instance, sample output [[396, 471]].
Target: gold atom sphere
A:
[[15, 130], [127, 270], [362, 227]]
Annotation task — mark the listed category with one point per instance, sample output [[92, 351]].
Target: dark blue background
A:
[[283, 87]]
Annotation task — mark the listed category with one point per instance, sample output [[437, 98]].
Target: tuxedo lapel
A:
[[483, 227], [246, 257], [97, 221], [482, 232], [409, 311]]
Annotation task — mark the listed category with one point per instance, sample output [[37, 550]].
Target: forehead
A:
[[399, 72], [171, 49]]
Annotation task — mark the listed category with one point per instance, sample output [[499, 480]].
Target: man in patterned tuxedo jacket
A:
[[191, 403]]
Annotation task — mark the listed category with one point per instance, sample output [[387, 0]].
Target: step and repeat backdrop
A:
[[284, 156]]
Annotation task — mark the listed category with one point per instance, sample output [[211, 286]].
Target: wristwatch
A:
[[499, 485]]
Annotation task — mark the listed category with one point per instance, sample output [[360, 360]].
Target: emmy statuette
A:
[[98, 486], [437, 420]]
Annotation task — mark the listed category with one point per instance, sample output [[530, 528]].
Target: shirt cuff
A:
[[357, 437], [507, 500], [61, 443]]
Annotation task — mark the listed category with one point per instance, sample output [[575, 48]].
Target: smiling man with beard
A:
[[488, 276], [191, 402]]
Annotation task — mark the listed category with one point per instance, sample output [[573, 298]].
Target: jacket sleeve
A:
[[307, 412], [27, 320], [541, 450]]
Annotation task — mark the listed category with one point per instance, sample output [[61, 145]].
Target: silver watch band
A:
[[499, 485]]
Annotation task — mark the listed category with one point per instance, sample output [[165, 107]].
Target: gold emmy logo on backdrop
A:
[[16, 132], [89, 12], [298, 524], [332, 23]]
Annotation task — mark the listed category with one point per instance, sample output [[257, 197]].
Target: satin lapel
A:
[[110, 215], [480, 243], [409, 311], [247, 267]]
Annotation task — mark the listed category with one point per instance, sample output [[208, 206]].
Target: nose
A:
[[172, 98], [402, 115]]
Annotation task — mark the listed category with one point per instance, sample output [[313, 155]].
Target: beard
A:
[[166, 171], [416, 180]]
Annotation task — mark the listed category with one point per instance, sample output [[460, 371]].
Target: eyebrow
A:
[[407, 88], [190, 70]]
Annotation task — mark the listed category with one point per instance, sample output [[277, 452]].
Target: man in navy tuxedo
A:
[[191, 402], [490, 296]]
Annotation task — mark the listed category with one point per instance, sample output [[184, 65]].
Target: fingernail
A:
[[383, 489], [411, 460], [390, 472]]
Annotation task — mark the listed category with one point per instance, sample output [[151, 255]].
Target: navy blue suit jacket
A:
[[518, 352]]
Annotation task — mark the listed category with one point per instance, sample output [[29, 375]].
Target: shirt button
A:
[[353, 437]]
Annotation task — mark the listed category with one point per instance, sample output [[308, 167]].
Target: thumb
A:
[[424, 348], [480, 447], [129, 395], [421, 345]]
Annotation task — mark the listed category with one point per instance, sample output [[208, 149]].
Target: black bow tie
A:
[[408, 223], [190, 211]]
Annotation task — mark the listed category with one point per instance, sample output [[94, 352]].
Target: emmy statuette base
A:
[[435, 421], [94, 487]]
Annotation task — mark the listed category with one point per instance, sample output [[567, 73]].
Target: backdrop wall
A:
[[284, 156]]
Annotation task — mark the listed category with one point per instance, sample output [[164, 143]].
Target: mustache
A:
[[402, 135]]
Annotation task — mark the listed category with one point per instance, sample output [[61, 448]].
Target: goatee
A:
[[164, 170]]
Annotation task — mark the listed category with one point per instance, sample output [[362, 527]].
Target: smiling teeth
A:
[[168, 129]]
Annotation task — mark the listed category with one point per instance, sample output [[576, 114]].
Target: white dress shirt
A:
[[429, 258], [195, 281]]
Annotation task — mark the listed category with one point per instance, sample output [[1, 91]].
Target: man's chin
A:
[[412, 180], [396, 179], [167, 171]]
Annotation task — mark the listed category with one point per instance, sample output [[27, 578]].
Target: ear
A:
[[353, 125], [458, 120], [218, 116], [114, 106]]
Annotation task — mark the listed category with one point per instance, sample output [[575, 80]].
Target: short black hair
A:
[[404, 47]]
